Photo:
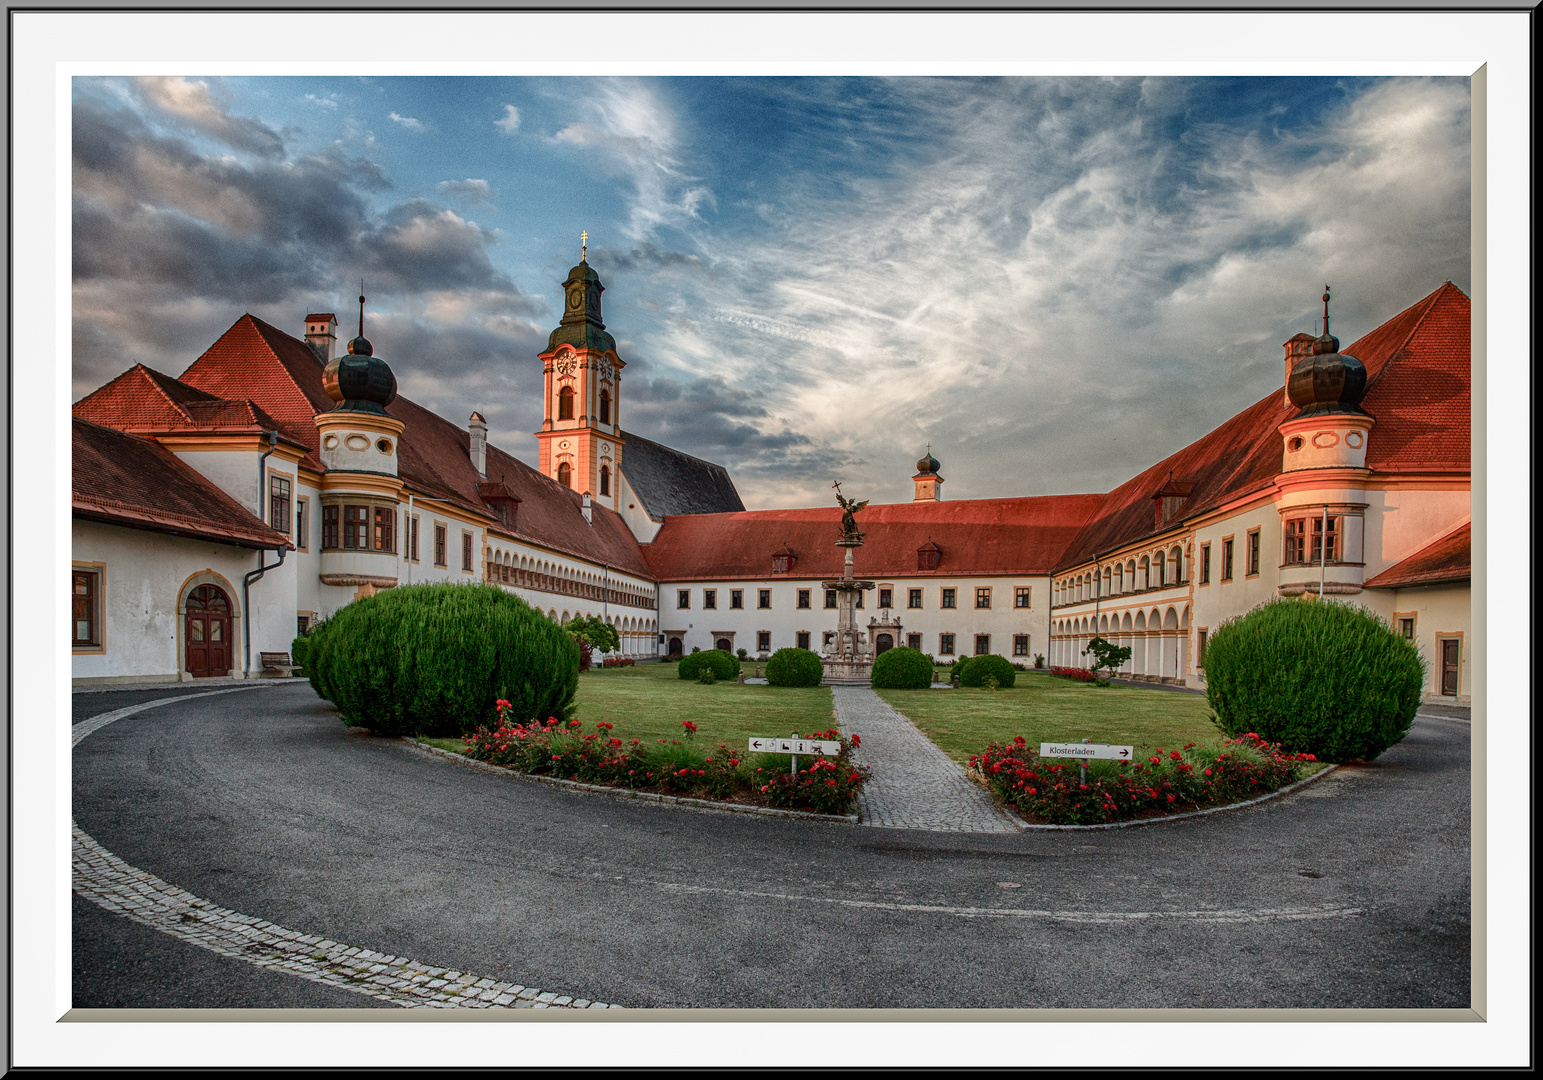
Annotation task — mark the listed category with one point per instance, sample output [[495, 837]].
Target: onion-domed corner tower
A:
[[929, 485], [1323, 473], [580, 441], [360, 490]]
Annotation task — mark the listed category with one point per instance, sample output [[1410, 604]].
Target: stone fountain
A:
[[849, 660]]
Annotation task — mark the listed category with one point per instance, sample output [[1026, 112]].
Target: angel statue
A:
[[849, 509]]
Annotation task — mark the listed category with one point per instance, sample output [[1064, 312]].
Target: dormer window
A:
[[782, 561], [928, 556]]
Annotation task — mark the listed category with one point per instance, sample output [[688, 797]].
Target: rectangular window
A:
[[1020, 644], [710, 599], [947, 600], [682, 599], [1319, 553], [945, 644], [85, 623], [302, 523], [1200, 640], [356, 527], [1021, 596], [803, 602], [278, 504], [385, 529], [914, 641], [830, 636], [441, 541], [763, 600], [983, 597], [1406, 628], [737, 599], [859, 601], [763, 641], [886, 598], [412, 539], [466, 552], [803, 639], [830, 598], [1252, 552], [1205, 564], [329, 527], [1227, 559], [913, 598], [302, 624], [1295, 551], [982, 644]]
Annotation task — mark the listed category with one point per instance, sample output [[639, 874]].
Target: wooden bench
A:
[[278, 663]]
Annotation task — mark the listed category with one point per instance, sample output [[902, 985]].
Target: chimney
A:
[[589, 512], [1300, 345], [321, 334], [477, 427]]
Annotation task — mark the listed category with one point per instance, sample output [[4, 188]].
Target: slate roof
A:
[[977, 537], [1418, 384], [1448, 559], [278, 378], [126, 480], [670, 482]]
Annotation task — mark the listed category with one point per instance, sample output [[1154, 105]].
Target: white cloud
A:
[[408, 122], [328, 102], [195, 103], [510, 122], [472, 189]]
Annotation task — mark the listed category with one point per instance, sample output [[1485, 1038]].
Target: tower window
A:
[[565, 403], [605, 479], [605, 407], [565, 474]]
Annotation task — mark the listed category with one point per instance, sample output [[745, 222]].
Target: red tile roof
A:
[[980, 536], [1446, 560], [282, 378], [1418, 378], [125, 480]]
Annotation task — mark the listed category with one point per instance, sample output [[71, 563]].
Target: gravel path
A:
[[915, 785]]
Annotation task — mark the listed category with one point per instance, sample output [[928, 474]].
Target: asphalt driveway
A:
[[1353, 892]]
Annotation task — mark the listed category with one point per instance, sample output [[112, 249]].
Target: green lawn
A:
[[1043, 708], [649, 701]]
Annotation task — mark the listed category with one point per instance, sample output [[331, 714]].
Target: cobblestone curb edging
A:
[[106, 880], [1287, 790], [627, 793]]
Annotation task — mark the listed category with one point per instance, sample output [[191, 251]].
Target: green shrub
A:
[[725, 665], [974, 671], [1323, 678], [794, 667], [435, 659], [300, 651], [902, 668]]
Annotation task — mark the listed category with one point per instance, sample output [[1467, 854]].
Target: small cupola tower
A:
[[929, 485], [580, 441], [360, 487], [1329, 429]]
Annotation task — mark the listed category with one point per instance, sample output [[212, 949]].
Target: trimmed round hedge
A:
[[1321, 678], [434, 659], [725, 665], [794, 667], [902, 668], [974, 670]]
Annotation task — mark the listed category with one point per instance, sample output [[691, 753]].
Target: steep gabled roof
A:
[[980, 536], [670, 482], [125, 480], [1448, 559], [1418, 377], [140, 398]]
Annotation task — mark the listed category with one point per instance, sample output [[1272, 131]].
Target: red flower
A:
[[688, 725], [1170, 798], [1175, 755]]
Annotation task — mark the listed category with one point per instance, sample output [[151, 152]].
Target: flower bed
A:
[[673, 767], [1080, 674], [618, 661], [1051, 790]]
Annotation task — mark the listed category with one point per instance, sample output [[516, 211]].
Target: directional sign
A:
[[1087, 750], [796, 746]]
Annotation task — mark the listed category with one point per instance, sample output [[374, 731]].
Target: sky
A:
[[1053, 282]]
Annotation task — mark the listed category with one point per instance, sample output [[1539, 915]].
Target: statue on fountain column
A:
[[849, 508]]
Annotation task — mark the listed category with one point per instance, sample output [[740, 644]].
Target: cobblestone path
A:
[[915, 785], [106, 880]]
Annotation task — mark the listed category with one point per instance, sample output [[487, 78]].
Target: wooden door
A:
[[1451, 653], [882, 644], [207, 631]]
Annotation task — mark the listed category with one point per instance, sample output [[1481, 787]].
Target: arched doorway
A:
[[883, 643], [207, 631], [675, 646], [725, 644]]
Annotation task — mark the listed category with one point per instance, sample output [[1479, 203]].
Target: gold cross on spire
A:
[[583, 245]]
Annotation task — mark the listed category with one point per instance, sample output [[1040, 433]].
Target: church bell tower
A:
[[580, 439]]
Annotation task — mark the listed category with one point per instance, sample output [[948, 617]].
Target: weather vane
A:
[[583, 245]]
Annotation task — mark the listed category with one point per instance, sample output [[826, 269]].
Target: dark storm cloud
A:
[[195, 104], [646, 256]]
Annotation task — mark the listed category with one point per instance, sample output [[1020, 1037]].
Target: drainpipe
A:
[[1323, 560], [605, 601], [262, 476], [408, 538], [246, 606]]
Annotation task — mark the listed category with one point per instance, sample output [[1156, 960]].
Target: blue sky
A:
[[1055, 282]]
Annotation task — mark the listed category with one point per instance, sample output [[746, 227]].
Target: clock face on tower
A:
[[567, 366], [575, 298]]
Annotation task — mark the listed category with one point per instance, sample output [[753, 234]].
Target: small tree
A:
[[596, 631], [1106, 654]]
